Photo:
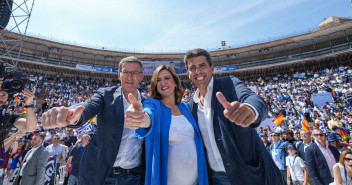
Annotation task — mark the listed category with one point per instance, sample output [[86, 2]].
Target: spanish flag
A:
[[305, 124], [279, 119], [94, 120], [343, 134], [24, 110], [260, 80], [17, 100]]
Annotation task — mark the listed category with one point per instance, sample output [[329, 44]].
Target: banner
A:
[[50, 170], [224, 68], [269, 122], [85, 67], [150, 67], [321, 99], [102, 69], [15, 172], [97, 68], [87, 127], [232, 68], [217, 69], [114, 70]]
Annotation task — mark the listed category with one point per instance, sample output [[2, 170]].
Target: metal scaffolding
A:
[[19, 20]]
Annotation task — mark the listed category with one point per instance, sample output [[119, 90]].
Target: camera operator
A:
[[8, 118]]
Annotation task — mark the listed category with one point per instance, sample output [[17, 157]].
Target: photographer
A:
[[8, 118]]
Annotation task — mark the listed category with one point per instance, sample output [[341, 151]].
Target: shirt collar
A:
[[326, 144], [209, 90], [125, 100], [35, 149]]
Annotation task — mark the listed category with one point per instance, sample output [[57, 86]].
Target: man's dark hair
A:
[[40, 135], [289, 132], [196, 53]]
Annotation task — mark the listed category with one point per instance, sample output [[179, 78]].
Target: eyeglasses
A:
[[321, 135], [274, 135], [22, 141], [347, 159], [133, 73], [56, 138]]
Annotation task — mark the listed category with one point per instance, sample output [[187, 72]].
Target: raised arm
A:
[[28, 124]]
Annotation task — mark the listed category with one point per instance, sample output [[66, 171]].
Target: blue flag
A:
[[87, 127], [15, 172], [50, 170], [323, 127]]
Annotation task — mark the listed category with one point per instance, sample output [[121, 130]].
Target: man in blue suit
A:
[[227, 113], [320, 159], [112, 157]]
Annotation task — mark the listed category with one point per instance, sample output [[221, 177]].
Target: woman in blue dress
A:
[[174, 147]]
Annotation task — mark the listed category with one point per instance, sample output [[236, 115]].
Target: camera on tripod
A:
[[14, 81]]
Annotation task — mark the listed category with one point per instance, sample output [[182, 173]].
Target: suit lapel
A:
[[320, 155], [332, 150], [214, 107], [194, 109], [34, 156], [119, 110], [36, 153]]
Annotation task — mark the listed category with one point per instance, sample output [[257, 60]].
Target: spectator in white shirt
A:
[[297, 173], [57, 150]]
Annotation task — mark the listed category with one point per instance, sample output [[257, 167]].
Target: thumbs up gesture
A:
[[61, 116], [134, 113], [238, 113]]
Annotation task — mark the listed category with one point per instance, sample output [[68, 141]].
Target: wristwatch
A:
[[28, 106]]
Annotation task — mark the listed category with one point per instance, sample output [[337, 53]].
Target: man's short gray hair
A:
[[85, 135], [131, 59]]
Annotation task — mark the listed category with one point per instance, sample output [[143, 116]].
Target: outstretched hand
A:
[[134, 114], [61, 116], [238, 113]]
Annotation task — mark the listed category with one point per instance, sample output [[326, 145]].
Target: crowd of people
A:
[[288, 144]]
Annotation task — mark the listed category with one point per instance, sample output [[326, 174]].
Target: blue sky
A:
[[155, 25]]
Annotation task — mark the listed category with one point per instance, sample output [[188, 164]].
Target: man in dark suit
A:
[[320, 159], [302, 145], [227, 113], [32, 171], [112, 156]]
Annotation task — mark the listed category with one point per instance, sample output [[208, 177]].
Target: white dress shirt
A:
[[130, 151], [27, 158], [205, 123], [329, 157], [59, 149]]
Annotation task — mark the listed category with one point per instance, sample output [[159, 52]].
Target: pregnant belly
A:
[[182, 163]]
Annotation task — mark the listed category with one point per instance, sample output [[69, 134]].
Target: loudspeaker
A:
[[5, 12]]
